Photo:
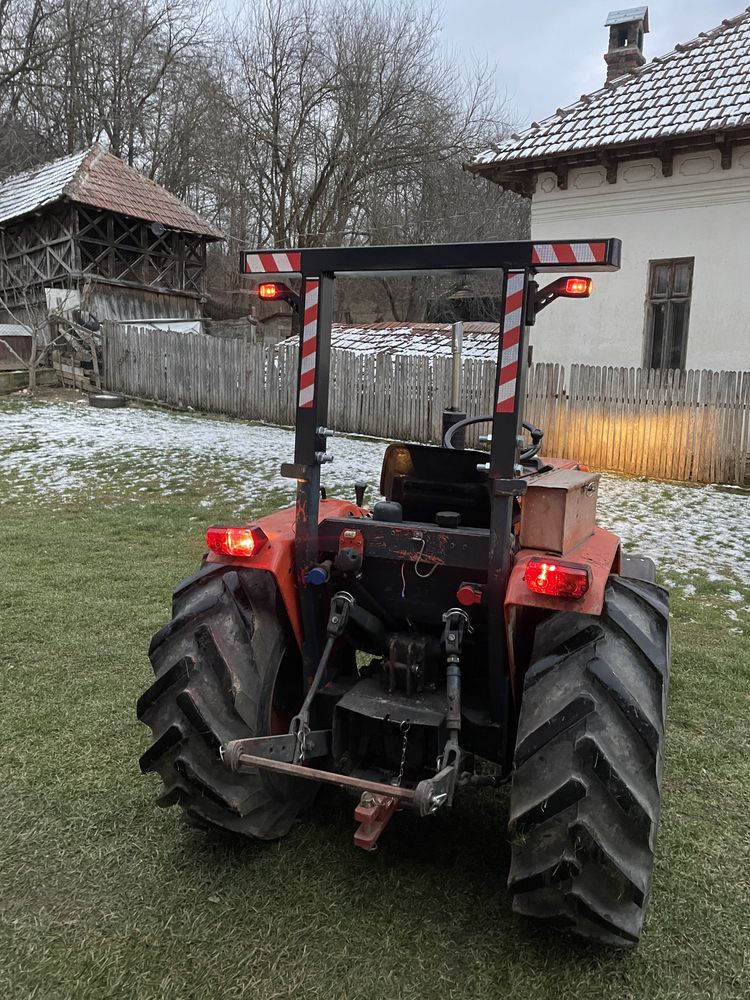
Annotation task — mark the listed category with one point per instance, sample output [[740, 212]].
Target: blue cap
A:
[[316, 576]]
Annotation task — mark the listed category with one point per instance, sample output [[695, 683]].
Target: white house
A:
[[659, 157]]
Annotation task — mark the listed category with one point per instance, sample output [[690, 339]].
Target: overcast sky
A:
[[549, 52]]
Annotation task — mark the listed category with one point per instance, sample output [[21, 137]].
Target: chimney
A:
[[626, 31]]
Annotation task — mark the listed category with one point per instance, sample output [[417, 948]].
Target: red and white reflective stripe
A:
[[569, 253], [309, 345], [508, 374], [272, 263]]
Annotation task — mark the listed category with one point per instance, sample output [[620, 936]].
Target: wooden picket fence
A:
[[690, 426]]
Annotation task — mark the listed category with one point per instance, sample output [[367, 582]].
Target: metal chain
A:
[[404, 727], [304, 729]]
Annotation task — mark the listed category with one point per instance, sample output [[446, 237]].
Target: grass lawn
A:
[[104, 896]]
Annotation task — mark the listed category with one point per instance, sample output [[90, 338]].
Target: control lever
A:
[[338, 617], [455, 622], [360, 488]]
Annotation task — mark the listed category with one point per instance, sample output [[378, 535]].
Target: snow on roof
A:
[[627, 16], [37, 187], [699, 86], [97, 178], [14, 330], [480, 339]]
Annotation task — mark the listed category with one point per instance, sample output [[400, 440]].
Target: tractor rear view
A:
[[476, 613]]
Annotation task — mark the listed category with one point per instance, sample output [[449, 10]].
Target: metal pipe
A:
[[457, 346], [405, 795], [453, 692]]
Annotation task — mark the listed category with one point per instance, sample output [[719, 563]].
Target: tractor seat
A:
[[426, 479]]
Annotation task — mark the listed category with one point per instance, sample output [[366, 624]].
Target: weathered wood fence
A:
[[692, 426]]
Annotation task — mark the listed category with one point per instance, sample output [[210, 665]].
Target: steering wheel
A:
[[526, 453]]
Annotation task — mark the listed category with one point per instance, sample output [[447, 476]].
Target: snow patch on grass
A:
[[67, 451], [70, 451], [685, 529]]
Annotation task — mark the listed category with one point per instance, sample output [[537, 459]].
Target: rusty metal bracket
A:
[[509, 487], [300, 472], [292, 470], [285, 747], [373, 813], [438, 791]]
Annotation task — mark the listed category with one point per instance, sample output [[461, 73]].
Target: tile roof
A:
[[37, 187], [480, 339], [699, 86], [97, 178]]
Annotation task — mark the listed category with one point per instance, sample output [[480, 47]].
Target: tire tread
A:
[[585, 801], [215, 665]]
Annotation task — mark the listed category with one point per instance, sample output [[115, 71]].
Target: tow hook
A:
[[373, 813]]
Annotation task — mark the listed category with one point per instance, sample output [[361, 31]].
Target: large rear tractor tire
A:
[[586, 793], [227, 667]]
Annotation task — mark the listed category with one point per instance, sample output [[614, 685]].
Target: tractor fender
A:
[[277, 555], [600, 552]]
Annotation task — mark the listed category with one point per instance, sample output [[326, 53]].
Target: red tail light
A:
[[577, 288], [556, 579], [233, 540], [271, 290]]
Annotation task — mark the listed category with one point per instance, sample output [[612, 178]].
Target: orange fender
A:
[[600, 552]]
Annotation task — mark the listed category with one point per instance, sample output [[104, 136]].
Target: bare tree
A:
[[300, 122], [98, 69], [440, 203], [25, 41], [327, 98]]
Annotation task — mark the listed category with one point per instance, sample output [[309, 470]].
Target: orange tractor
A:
[[476, 613]]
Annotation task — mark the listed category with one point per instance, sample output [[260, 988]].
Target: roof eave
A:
[[65, 197], [519, 182], [512, 173], [36, 210], [209, 234]]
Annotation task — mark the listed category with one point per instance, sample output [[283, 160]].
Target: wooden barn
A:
[[90, 224]]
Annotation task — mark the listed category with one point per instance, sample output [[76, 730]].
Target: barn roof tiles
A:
[[700, 86], [97, 178]]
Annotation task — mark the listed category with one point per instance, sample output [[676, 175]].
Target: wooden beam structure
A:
[[131, 250], [63, 244], [36, 251]]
